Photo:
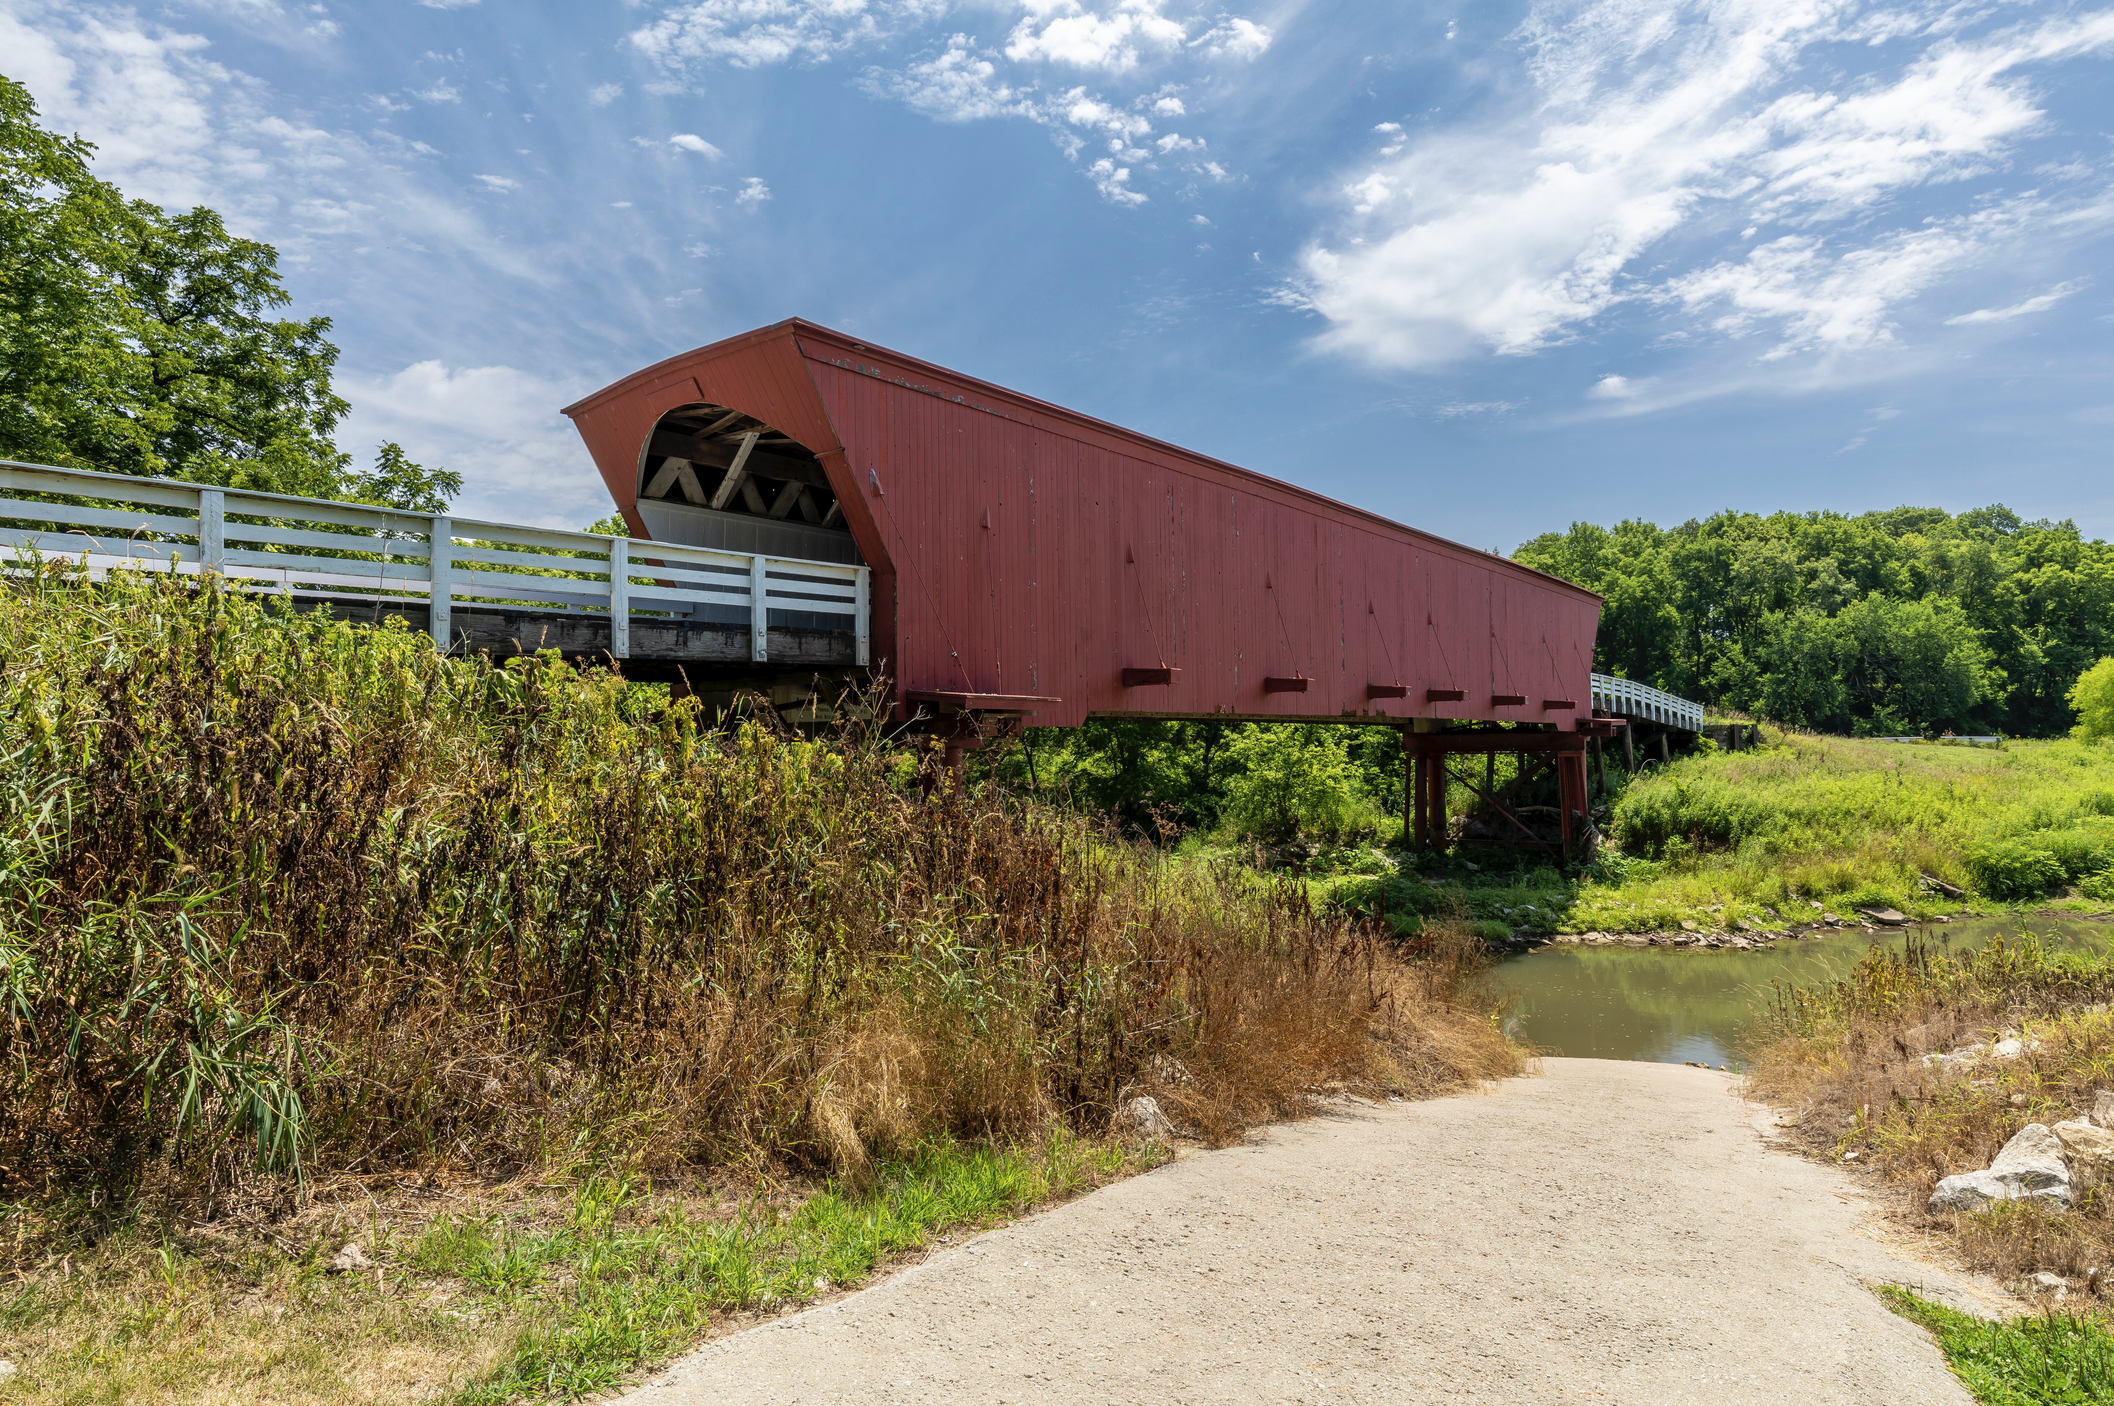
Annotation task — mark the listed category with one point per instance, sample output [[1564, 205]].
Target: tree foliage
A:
[[2093, 698], [1905, 621], [134, 340]]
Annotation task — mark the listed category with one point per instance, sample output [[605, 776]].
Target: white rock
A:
[[350, 1258], [7, 1369], [2053, 1283], [2103, 1108], [1145, 1118], [2007, 1049], [2088, 1150], [2031, 1165]]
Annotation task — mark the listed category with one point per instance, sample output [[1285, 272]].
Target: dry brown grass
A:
[[279, 887], [1849, 1063]]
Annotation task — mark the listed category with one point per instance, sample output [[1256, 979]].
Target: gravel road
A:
[[1608, 1232]]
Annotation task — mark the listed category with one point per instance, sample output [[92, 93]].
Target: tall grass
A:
[[1857, 823], [278, 890]]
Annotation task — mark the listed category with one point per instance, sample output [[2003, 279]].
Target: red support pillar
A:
[[1420, 786], [1571, 795], [1435, 797]]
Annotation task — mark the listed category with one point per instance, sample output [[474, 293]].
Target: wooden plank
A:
[[736, 473]]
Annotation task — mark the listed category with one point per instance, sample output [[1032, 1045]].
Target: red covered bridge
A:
[[1030, 562]]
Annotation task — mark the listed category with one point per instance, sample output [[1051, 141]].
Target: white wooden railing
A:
[[1631, 699], [353, 552]]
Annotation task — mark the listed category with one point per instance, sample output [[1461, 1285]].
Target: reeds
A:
[[280, 891]]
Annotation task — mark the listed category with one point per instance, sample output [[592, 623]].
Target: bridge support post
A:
[[1435, 799], [1571, 798], [619, 598], [212, 529], [440, 570], [759, 608], [1412, 796]]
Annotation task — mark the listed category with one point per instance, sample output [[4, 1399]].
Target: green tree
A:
[[2093, 698], [1289, 779], [137, 341], [396, 482]]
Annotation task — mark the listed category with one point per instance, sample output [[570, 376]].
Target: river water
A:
[[1671, 1004]]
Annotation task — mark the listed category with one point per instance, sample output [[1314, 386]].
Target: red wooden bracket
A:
[[1387, 690], [1296, 684], [1508, 700], [1558, 705], [1147, 678], [1445, 695]]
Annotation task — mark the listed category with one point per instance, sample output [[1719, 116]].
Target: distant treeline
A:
[[1906, 621]]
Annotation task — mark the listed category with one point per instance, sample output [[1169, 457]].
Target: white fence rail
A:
[[1631, 699], [352, 552]]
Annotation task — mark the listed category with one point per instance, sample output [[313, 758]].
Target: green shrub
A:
[[2078, 850], [2098, 887], [1705, 812], [2012, 870], [1293, 781]]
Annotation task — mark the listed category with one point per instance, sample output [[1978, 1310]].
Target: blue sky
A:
[[1485, 269]]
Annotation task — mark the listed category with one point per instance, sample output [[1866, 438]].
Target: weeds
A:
[[2052, 1359], [1891, 1062]]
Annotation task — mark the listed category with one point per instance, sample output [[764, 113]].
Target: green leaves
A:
[[1905, 621], [138, 341], [2050, 1359]]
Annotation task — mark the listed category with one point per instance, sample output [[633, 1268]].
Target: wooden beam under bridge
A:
[[1425, 802]]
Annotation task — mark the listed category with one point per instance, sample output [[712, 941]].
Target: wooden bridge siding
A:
[[1044, 603], [1067, 612]]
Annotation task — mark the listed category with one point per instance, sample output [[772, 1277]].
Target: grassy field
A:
[[305, 928], [1805, 825]]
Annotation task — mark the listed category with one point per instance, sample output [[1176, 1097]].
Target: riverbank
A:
[[1925, 1062], [1804, 836]]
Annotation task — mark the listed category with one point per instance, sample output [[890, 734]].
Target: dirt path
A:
[[1610, 1232]]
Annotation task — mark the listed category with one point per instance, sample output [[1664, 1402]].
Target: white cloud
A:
[[1370, 194], [1818, 299], [447, 4], [1235, 38], [502, 184], [1654, 117], [603, 94], [1461, 409], [753, 192], [1614, 388], [2040, 304], [497, 426], [960, 84], [1063, 31], [1113, 182], [690, 141], [967, 75], [441, 92], [752, 33]]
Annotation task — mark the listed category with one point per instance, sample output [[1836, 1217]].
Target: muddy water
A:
[[1675, 1004]]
